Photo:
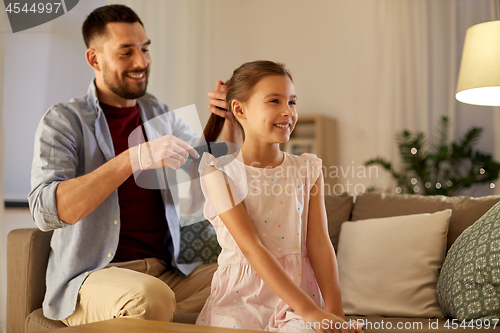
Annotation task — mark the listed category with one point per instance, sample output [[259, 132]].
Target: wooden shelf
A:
[[316, 134]]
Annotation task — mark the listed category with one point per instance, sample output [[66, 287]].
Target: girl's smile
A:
[[284, 126]]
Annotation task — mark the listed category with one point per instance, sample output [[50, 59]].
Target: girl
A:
[[277, 268]]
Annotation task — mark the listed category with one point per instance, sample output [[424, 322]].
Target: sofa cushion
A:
[[469, 284], [338, 210], [466, 210], [390, 266], [198, 243]]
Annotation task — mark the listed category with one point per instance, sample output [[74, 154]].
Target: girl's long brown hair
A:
[[239, 87]]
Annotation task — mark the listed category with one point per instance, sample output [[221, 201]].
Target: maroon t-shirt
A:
[[144, 229]]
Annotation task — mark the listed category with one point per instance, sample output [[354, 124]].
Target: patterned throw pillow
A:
[[198, 243], [469, 283]]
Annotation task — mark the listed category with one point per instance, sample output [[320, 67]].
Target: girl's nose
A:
[[288, 111]]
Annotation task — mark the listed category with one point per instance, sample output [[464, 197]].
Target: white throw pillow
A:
[[390, 266]]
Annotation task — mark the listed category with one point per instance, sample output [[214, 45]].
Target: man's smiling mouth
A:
[[136, 76]]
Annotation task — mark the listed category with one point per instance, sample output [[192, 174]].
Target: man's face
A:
[[125, 59]]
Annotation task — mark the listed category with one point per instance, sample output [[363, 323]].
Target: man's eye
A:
[[126, 54], [274, 101], [145, 50]]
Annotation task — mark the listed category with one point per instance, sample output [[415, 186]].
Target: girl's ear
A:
[[238, 110]]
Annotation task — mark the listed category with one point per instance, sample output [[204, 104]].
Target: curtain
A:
[[401, 94], [420, 45]]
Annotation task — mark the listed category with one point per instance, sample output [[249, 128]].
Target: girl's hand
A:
[[329, 323]]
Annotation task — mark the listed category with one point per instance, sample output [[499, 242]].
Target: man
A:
[[114, 247]]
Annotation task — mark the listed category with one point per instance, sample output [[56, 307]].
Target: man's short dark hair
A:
[[95, 24]]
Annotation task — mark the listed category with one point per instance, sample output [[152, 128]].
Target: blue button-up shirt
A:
[[73, 139]]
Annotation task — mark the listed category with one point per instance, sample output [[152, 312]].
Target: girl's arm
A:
[[241, 227], [320, 251]]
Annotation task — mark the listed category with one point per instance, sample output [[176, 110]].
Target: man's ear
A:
[[92, 59], [238, 110]]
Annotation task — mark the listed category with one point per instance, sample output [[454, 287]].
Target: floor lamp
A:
[[479, 76]]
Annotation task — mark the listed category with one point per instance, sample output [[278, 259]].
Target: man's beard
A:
[[121, 88]]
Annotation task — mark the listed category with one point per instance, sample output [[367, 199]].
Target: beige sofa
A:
[[28, 250]]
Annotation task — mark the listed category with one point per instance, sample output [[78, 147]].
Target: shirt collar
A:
[[92, 96]]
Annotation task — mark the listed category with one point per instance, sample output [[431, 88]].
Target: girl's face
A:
[[269, 115]]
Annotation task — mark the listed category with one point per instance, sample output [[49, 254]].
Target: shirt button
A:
[[110, 255], [115, 222]]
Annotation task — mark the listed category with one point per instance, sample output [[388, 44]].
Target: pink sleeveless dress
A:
[[277, 201]]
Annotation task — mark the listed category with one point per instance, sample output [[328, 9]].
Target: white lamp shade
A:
[[479, 77]]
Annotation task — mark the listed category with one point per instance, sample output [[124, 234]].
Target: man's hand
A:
[[218, 103], [167, 151]]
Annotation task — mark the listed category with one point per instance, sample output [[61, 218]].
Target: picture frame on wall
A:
[[300, 146]]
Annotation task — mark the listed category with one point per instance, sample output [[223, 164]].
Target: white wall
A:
[[42, 66]]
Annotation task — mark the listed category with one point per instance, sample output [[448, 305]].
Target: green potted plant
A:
[[445, 168]]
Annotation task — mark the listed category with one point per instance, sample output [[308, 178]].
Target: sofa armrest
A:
[[27, 257]]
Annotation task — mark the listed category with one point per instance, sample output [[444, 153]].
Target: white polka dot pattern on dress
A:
[[280, 218]]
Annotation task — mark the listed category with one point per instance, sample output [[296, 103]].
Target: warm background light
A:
[[479, 78]]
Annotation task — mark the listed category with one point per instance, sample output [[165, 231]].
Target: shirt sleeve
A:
[[314, 167], [237, 194], [55, 160]]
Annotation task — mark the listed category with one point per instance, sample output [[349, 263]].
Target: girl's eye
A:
[[293, 102], [274, 101]]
